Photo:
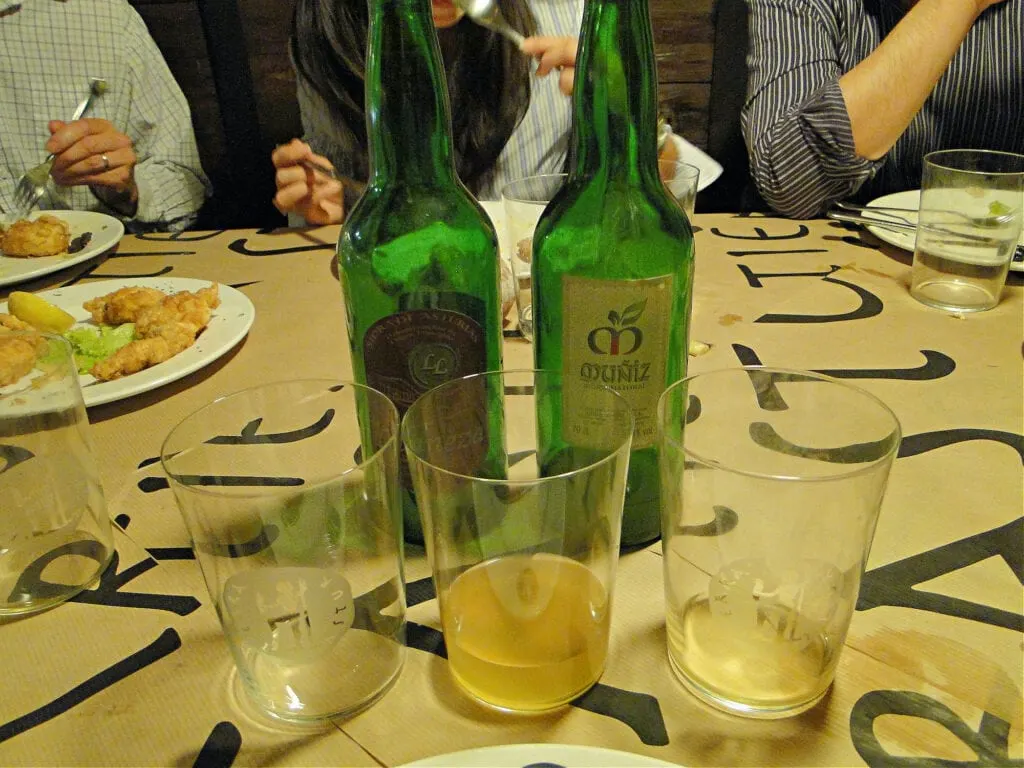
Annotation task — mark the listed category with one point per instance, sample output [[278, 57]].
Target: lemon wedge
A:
[[38, 312]]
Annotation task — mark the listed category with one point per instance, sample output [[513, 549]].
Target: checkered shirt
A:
[[48, 51]]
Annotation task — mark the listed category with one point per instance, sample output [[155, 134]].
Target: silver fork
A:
[[357, 186], [903, 224], [32, 183], [978, 221], [487, 14]]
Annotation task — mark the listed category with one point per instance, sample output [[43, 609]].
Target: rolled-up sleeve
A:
[[795, 122]]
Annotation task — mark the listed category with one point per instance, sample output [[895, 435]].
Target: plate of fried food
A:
[[134, 335], [48, 241]]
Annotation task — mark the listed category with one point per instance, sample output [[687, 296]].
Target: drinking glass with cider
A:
[[523, 558]]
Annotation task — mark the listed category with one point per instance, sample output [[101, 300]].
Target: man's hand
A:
[[554, 53], [93, 152], [317, 198]]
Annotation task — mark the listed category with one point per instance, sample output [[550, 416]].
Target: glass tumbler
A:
[[772, 481], [55, 534], [968, 226], [524, 201], [289, 492], [682, 180], [522, 533]]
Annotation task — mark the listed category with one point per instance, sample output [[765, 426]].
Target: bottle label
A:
[[615, 333], [410, 352]]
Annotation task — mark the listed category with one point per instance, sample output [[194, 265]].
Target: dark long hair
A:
[[488, 78]]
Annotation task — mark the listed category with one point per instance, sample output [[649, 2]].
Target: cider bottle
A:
[[417, 254], [613, 259]]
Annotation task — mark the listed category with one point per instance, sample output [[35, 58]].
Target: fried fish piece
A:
[[18, 350], [123, 305], [45, 236], [12, 323], [163, 330], [179, 309], [134, 357], [17, 357]]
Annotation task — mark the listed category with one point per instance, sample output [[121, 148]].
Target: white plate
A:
[[228, 325], [904, 239], [710, 169], [106, 233], [519, 755]]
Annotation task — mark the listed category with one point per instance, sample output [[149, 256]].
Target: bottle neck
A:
[[408, 118], [615, 98]]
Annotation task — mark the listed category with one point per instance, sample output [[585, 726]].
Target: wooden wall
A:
[[684, 47], [231, 59]]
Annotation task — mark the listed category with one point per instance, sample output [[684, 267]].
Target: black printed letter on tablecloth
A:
[[894, 584], [248, 435], [168, 642], [989, 742], [936, 366], [108, 591]]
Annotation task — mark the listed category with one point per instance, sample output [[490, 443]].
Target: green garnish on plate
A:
[[94, 344]]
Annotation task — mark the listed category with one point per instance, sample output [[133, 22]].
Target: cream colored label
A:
[[615, 333]]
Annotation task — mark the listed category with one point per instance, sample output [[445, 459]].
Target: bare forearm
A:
[[889, 87]]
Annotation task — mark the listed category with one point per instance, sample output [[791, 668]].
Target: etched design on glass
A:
[[795, 603], [293, 613]]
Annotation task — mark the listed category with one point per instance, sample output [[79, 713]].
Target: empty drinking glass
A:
[[772, 481], [55, 535], [290, 495], [969, 223], [682, 180]]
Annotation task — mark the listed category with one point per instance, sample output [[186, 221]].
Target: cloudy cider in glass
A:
[[526, 632]]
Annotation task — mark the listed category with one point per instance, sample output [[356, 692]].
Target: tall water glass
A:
[[772, 481], [971, 211], [524, 201], [522, 533], [55, 535], [290, 494], [682, 180]]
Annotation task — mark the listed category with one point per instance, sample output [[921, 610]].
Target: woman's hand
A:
[[92, 151], [554, 53], [315, 197]]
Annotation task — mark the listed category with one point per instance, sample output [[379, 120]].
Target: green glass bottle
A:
[[417, 254], [613, 258]]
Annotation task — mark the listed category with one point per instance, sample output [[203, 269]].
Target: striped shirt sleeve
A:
[[795, 121]]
